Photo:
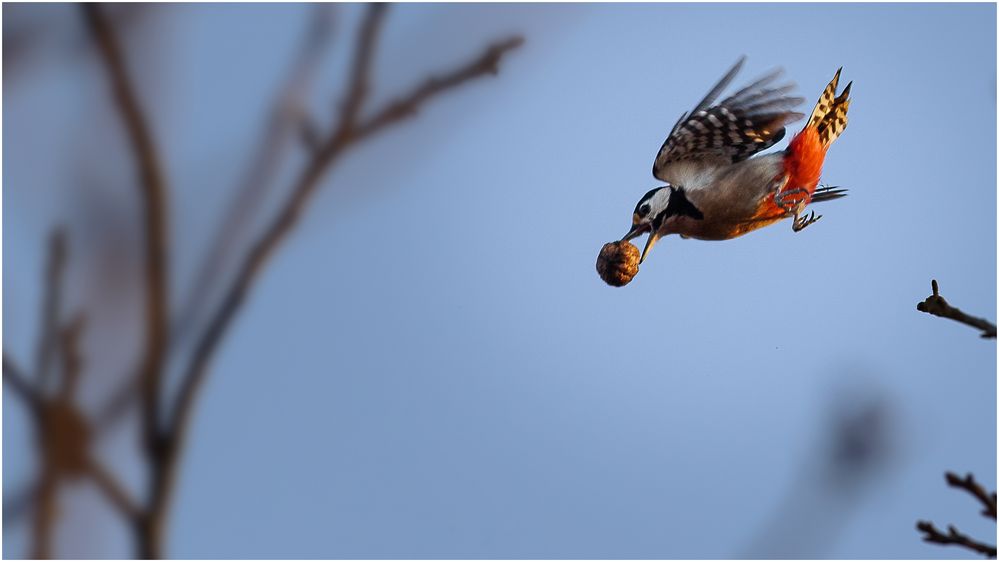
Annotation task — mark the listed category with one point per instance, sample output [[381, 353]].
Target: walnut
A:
[[617, 263]]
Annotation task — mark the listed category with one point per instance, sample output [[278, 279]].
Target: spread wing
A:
[[743, 124]]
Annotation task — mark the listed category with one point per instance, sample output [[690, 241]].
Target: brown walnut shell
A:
[[617, 263]]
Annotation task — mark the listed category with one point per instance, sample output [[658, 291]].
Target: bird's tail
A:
[[807, 151], [828, 193], [829, 115]]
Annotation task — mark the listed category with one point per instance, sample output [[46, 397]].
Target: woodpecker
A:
[[716, 189]]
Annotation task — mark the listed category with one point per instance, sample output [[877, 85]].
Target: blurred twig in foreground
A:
[[65, 434]]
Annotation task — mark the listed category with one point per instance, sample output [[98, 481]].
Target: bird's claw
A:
[[801, 222]]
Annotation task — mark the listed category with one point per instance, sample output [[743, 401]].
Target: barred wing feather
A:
[[748, 121]]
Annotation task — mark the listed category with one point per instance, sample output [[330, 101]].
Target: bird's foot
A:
[[788, 201], [801, 222]]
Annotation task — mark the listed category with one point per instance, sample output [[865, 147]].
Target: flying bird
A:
[[717, 187]]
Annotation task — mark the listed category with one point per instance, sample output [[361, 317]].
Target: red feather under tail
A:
[[803, 163]]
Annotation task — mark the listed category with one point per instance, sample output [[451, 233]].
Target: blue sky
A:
[[431, 367]]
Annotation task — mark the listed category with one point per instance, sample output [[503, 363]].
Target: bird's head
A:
[[650, 212]]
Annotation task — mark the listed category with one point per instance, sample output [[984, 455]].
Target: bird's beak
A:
[[653, 238], [636, 230]]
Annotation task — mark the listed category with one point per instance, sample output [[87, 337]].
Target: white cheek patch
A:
[[659, 202]]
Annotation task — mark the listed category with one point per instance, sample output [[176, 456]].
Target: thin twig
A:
[[153, 193], [46, 512], [933, 535], [113, 491], [19, 503], [937, 306], [287, 115], [72, 362], [953, 536], [408, 105], [18, 382], [51, 303], [121, 399], [969, 485], [360, 74]]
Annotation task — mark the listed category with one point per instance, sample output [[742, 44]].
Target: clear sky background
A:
[[431, 366]]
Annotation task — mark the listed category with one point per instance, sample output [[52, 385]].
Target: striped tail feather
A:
[[829, 115], [807, 150]]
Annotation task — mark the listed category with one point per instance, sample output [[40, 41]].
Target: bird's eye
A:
[[644, 209]]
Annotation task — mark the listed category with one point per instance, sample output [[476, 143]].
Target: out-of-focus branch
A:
[[286, 116], [153, 193], [121, 399], [165, 436], [955, 537], [305, 187], [54, 272], [71, 453], [42, 496], [72, 363], [408, 105], [63, 439], [116, 495], [45, 514], [937, 306], [360, 75], [14, 377], [346, 134], [17, 504]]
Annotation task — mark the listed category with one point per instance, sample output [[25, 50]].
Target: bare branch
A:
[[153, 193], [407, 106], [14, 377], [287, 117], [121, 399], [937, 306], [51, 303], [953, 536], [46, 513], [72, 362], [113, 491], [969, 485], [360, 74], [19, 503], [305, 186], [933, 535]]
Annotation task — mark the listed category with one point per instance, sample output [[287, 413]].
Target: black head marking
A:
[[678, 205]]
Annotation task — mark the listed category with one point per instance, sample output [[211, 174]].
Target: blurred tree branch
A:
[[286, 115], [61, 430], [113, 491], [41, 493], [281, 129], [153, 193], [18, 382], [50, 306], [937, 306], [347, 134], [64, 433]]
